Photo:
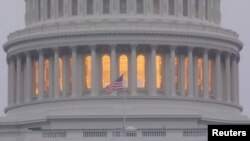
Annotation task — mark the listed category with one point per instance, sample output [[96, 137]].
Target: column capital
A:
[[133, 46], [113, 45], [154, 46]]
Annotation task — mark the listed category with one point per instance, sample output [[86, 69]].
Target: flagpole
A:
[[124, 111]]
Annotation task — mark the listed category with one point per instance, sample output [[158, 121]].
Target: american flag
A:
[[115, 85]]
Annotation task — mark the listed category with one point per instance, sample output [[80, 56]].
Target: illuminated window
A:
[[48, 9], [60, 8], [200, 74], [46, 75], [74, 7], [156, 6], [105, 70], [106, 6], [123, 68], [70, 73], [90, 7], [197, 8], [210, 75], [186, 63], [123, 6], [185, 8], [140, 6], [60, 75], [35, 77], [176, 64], [88, 72], [158, 72], [171, 7], [141, 73]]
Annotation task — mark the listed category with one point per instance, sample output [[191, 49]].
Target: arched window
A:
[[140, 6], [206, 8], [87, 72], [106, 6], [176, 64], [60, 75], [74, 8], [35, 77], [171, 7], [105, 70], [48, 9], [156, 7], [197, 14], [141, 71], [90, 7], [185, 7], [200, 73], [123, 6], [186, 65], [158, 72], [46, 75], [123, 68], [210, 75], [39, 9], [60, 8]]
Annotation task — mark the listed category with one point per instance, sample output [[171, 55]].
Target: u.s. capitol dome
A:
[[180, 69]]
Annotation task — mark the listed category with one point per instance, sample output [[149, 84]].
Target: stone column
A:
[[18, 79], [190, 73], [74, 71], [166, 74], [12, 81], [51, 79], [234, 80], [65, 75], [93, 71], [41, 74], [205, 74], [237, 81], [172, 71], [218, 92], [152, 80], [228, 78], [9, 82], [182, 74], [29, 81], [196, 91], [133, 76], [56, 65], [114, 71]]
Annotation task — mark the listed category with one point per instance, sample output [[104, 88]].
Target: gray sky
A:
[[234, 16]]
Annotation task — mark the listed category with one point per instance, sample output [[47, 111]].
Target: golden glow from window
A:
[[210, 75], [88, 72], [70, 73], [186, 63], [46, 75], [35, 76], [105, 70], [200, 74], [123, 68], [141, 81], [60, 75], [158, 72], [176, 64]]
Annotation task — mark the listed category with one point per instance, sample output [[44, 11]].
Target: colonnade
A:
[[180, 72], [41, 10]]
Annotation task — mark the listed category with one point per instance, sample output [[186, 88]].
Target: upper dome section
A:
[[43, 11]]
